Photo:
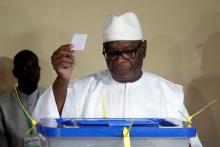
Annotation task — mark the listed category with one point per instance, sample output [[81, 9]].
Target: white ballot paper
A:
[[79, 41]]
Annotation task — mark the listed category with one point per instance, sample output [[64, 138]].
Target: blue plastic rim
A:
[[141, 127]]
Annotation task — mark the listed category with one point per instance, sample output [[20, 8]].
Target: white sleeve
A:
[[46, 106], [195, 142], [70, 105]]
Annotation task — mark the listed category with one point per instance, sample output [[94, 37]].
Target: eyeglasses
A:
[[127, 54]]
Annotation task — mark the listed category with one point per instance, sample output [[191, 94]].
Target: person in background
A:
[[14, 122], [123, 90]]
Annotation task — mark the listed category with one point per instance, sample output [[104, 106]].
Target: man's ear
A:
[[144, 45], [15, 73]]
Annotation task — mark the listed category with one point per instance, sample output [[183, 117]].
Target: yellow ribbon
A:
[[103, 106], [189, 118], [33, 122], [126, 135], [126, 131]]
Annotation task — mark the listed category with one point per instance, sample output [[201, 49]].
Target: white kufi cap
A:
[[124, 27]]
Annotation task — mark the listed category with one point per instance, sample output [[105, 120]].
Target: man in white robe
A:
[[122, 91]]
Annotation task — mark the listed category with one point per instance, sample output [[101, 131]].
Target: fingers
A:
[[64, 50], [64, 62], [63, 57]]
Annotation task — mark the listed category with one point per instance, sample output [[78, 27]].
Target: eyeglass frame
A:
[[121, 53]]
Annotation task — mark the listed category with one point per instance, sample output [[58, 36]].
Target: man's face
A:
[[28, 73], [125, 59]]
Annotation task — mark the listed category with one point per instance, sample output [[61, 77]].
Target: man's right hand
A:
[[63, 61]]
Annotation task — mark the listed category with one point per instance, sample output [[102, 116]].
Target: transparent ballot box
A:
[[143, 132]]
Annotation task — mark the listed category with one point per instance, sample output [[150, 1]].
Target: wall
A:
[[183, 44]]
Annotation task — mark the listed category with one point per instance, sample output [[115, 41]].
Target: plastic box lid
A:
[[92, 127]]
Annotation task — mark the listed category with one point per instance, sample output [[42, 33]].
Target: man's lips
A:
[[120, 69]]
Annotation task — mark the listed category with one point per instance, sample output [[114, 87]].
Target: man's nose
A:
[[120, 57]]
